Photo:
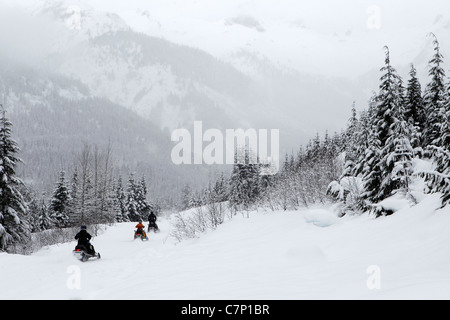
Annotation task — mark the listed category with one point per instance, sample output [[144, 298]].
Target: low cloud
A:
[[25, 39]]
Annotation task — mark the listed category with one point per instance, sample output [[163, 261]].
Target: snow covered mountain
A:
[[260, 40], [174, 84]]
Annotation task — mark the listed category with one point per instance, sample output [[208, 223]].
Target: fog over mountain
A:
[[134, 71]]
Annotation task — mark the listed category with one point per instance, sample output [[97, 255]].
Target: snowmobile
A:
[[153, 227], [140, 234], [81, 253]]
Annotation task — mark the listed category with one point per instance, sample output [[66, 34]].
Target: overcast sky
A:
[[346, 36], [326, 14], [369, 25]]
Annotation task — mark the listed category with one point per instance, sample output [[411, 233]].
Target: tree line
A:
[[93, 194], [368, 161], [403, 123]]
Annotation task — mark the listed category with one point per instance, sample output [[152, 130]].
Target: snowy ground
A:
[[307, 254]]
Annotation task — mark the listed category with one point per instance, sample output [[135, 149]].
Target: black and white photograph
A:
[[234, 151]]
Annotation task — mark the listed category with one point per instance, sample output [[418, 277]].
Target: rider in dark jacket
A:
[[84, 239], [152, 221]]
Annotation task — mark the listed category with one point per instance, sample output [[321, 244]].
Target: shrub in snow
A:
[[190, 224], [348, 191]]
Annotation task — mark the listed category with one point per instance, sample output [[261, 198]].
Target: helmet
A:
[[83, 227]]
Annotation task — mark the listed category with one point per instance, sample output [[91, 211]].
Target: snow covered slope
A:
[[309, 254]]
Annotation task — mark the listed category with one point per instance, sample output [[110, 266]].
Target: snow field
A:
[[307, 254]]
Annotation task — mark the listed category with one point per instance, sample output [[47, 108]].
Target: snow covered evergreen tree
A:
[[14, 227], [186, 197], [434, 98], [370, 168], [351, 143], [119, 202], [44, 220], [398, 156], [438, 180], [74, 207], [389, 111], [361, 137], [219, 191], [414, 108], [143, 207], [59, 203], [130, 203], [244, 182], [136, 203], [389, 99], [414, 111]]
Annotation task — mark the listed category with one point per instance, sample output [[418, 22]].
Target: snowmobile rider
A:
[[152, 221], [84, 239], [140, 228]]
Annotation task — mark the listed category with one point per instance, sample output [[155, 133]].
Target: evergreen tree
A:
[[238, 194], [389, 99], [74, 207], [59, 202], [131, 202], [219, 192], [143, 206], [106, 207], [434, 98], [389, 111], [370, 167], [361, 137], [350, 135], [13, 224], [44, 220], [414, 111], [398, 156], [351, 146], [186, 197], [438, 180], [244, 182], [120, 202]]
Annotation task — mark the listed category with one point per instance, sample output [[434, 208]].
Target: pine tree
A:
[[351, 147], [376, 172], [414, 111], [398, 156], [370, 168], [438, 180], [389, 99], [414, 108], [60, 202], [434, 98], [74, 207], [131, 202], [44, 220], [14, 227], [143, 207], [219, 191], [120, 203], [186, 196], [361, 137], [244, 182]]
